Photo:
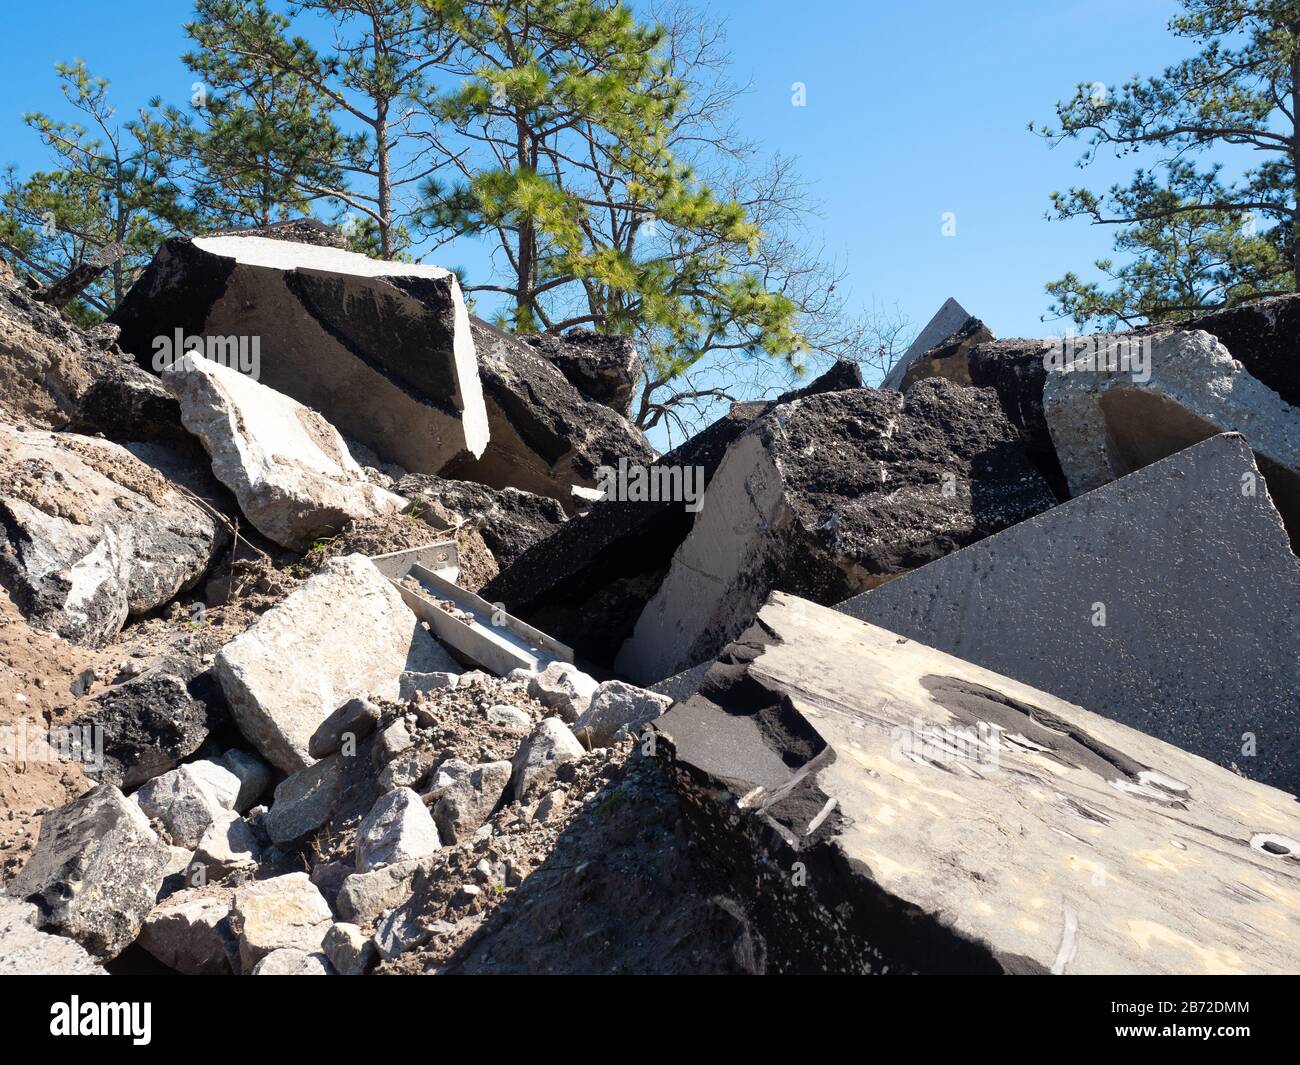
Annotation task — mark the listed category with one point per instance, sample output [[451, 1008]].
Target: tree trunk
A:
[[527, 238], [382, 158], [1295, 160]]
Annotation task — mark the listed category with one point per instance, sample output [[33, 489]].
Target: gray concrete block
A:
[[1201, 601]]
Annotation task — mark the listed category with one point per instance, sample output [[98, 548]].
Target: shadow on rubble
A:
[[620, 893]]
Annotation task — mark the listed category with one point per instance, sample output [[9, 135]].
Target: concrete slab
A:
[[382, 349], [947, 320], [1187, 564], [588, 581], [1264, 336], [876, 805], [286, 465], [1108, 419], [545, 435], [344, 633]]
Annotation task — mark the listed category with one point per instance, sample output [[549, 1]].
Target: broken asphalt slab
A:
[[876, 805], [837, 491], [587, 582]]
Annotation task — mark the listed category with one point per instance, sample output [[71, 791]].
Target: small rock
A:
[[467, 795], [183, 804], [151, 722], [392, 742], [365, 897], [289, 961], [407, 770], [329, 877], [82, 682], [509, 716], [399, 932], [357, 717], [304, 801], [551, 806], [284, 911], [413, 684], [564, 687], [190, 932], [617, 706], [216, 777], [397, 829], [228, 846], [348, 950], [549, 746], [177, 862], [254, 777]]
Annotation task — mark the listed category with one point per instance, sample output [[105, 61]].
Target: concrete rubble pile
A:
[[587, 582], [356, 635], [829, 495]]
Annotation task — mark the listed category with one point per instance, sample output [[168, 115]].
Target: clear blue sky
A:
[[913, 109]]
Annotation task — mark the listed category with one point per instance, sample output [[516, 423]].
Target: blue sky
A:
[[913, 110]]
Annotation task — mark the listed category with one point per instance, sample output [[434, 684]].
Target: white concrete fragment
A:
[[549, 746], [228, 846], [467, 796], [30, 952], [564, 687], [349, 950], [1108, 419], [344, 633], [89, 534], [616, 706], [190, 932], [185, 803], [287, 466]]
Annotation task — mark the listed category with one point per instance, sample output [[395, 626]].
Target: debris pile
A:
[[344, 633]]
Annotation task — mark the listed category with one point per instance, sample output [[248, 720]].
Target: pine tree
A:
[[109, 183], [377, 145], [258, 139], [1195, 238], [565, 114]]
